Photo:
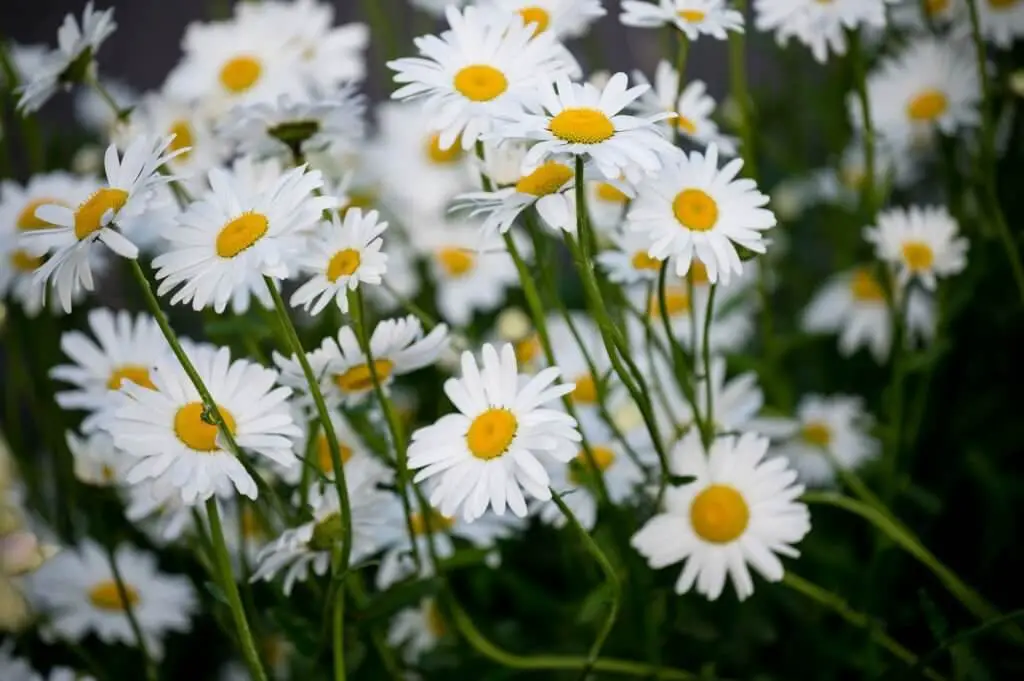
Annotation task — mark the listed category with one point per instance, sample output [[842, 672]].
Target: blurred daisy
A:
[[1001, 21], [548, 187], [736, 400], [920, 17], [97, 461], [403, 281], [627, 262], [565, 18], [105, 216], [606, 203], [398, 347], [72, 61], [922, 243], [828, 432], [125, 350], [853, 304], [157, 509], [692, 17], [694, 211], [417, 630], [822, 26], [740, 510], [341, 256], [14, 668], [198, 148], [96, 114], [356, 456], [486, 455], [77, 592], [170, 433], [486, 62], [581, 120], [238, 233], [575, 358], [437, 7]]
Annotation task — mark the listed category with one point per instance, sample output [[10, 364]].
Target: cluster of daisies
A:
[[253, 173]]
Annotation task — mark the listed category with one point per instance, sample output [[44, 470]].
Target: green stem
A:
[[222, 563], [129, 611], [382, 27], [121, 114], [338, 625], [859, 60], [682, 51], [412, 308], [895, 396], [357, 589], [839, 605], [709, 415]]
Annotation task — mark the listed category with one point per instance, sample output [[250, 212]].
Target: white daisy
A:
[[853, 305], [1001, 21], [581, 120], [14, 668], [398, 347], [692, 17], [571, 358], [237, 233], [828, 432], [565, 18], [486, 455], [403, 281], [341, 256], [169, 431], [626, 262], [740, 509], [97, 461], [922, 243], [486, 62], [918, 18], [437, 8], [72, 61], [822, 26], [157, 509], [356, 456], [76, 591], [417, 630], [107, 216], [125, 349], [94, 112], [607, 203], [693, 210]]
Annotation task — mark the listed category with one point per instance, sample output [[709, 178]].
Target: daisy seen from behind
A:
[[921, 242], [694, 211], [692, 17], [486, 455], [740, 511]]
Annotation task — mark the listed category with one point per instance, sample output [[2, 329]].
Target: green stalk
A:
[[859, 60], [338, 619], [357, 589], [895, 396], [681, 54], [709, 415], [133, 621]]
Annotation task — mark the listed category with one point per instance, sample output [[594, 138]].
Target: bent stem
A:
[[838, 605], [859, 60], [129, 611]]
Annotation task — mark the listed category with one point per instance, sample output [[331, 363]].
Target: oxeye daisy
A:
[[341, 256], [97, 461], [356, 456], [921, 242], [583, 363], [105, 216], [484, 63], [1001, 21], [71, 62], [486, 455], [581, 120], [77, 592], [565, 18], [739, 510], [237, 233], [694, 211], [607, 202], [853, 304], [126, 349], [170, 433], [692, 17], [626, 261], [416, 631], [822, 26], [398, 347]]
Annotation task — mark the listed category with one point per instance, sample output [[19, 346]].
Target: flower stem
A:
[[222, 563], [708, 434], [859, 60], [129, 611], [895, 396], [338, 623], [681, 54]]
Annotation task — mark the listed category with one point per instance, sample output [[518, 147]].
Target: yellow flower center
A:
[[437, 522], [107, 473], [251, 526], [106, 596], [183, 139], [135, 373], [719, 514], [865, 287], [603, 458], [491, 433], [241, 233], [817, 433], [1001, 4], [358, 378], [698, 273], [545, 180], [456, 262], [933, 7], [695, 210], [443, 156], [480, 82], [323, 454], [686, 125], [691, 15], [538, 16], [90, 214], [918, 256], [434, 621], [677, 302], [585, 391], [27, 219], [927, 105], [240, 73], [527, 349], [606, 191], [642, 261], [195, 431], [582, 126], [23, 261], [343, 264]]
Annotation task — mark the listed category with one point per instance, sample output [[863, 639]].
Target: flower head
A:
[[692, 17], [922, 243]]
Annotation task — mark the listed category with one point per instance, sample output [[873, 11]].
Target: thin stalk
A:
[[382, 27], [859, 59], [708, 434], [338, 622], [412, 308], [895, 396], [129, 611], [682, 51], [357, 589], [838, 605], [120, 113]]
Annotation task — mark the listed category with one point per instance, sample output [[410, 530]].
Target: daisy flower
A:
[[606, 203], [341, 256], [125, 350], [169, 431], [398, 347], [694, 211], [95, 113], [485, 63], [921, 242], [237, 233], [581, 120], [437, 8], [403, 278], [72, 61], [14, 668], [1001, 21], [692, 17], [97, 461], [930, 85], [356, 456], [626, 262], [157, 509], [853, 304], [574, 359], [741, 510], [486, 455], [105, 216], [565, 18], [828, 432], [77, 592], [417, 630], [822, 26]]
